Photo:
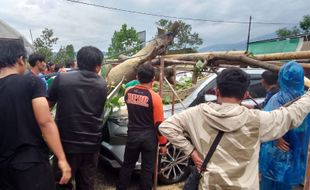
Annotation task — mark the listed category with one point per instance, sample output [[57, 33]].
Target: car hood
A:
[[168, 108]]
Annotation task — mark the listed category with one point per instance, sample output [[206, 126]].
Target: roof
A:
[[280, 45], [7, 31], [274, 46]]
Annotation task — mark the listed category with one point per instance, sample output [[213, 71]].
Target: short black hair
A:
[[146, 73], [88, 58], [10, 51], [70, 63], [58, 66], [270, 78], [233, 82], [33, 58]]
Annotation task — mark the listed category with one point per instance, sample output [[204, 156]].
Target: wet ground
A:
[[107, 177]]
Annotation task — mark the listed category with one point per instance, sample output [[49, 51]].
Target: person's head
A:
[[291, 78], [269, 79], [146, 73], [71, 64], [58, 67], [37, 60], [232, 83], [89, 58], [12, 54], [51, 67]]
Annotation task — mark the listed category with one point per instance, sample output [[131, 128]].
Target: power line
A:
[[176, 17]]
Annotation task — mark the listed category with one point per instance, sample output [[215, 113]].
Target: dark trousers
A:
[[83, 167], [139, 142], [27, 176]]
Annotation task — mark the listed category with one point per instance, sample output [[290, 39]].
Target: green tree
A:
[[44, 43], [124, 42], [185, 38], [305, 24], [64, 54], [70, 52], [285, 32]]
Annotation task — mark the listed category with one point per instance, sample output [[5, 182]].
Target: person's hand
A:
[[65, 170], [197, 160], [163, 150], [283, 145]]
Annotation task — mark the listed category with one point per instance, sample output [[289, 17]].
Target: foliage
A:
[[185, 38], [285, 32], [166, 100], [105, 69], [198, 68], [44, 43], [305, 24], [64, 54], [304, 27], [124, 42], [184, 83]]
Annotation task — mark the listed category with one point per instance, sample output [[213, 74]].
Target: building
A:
[[280, 45], [7, 31]]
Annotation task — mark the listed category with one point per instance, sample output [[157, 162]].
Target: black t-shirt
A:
[[80, 97], [20, 136]]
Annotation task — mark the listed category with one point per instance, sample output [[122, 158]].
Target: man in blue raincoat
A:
[[283, 162]]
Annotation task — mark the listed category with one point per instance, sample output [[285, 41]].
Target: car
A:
[[173, 167]]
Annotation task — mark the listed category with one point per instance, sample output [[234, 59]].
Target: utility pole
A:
[[249, 34], [31, 36]]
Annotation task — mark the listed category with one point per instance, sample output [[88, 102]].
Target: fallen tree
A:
[[157, 46]]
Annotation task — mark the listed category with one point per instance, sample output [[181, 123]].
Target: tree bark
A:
[[200, 56], [283, 56], [128, 68], [243, 59], [266, 57]]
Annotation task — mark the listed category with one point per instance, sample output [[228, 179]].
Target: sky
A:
[[82, 25]]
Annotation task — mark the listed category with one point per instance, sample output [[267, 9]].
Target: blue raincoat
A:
[[282, 170]]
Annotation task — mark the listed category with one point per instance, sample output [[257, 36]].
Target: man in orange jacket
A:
[[145, 113]]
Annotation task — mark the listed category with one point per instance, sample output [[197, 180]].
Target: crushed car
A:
[[173, 167]]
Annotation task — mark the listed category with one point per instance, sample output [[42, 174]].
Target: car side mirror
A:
[[210, 98]]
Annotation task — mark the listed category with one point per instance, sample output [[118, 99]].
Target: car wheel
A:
[[173, 166]]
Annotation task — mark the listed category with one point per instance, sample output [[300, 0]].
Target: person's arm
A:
[[248, 106], [158, 116], [174, 128], [275, 124], [51, 135]]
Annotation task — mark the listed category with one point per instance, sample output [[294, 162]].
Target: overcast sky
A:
[[85, 25]]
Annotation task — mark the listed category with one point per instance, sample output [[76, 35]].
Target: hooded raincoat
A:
[[279, 169]]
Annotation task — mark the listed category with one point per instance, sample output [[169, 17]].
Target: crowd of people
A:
[[263, 146]]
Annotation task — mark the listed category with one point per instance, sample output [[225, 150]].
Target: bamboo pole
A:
[[283, 56], [200, 56], [265, 57]]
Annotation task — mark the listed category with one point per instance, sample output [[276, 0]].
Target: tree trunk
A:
[[201, 56], [128, 68], [243, 59], [266, 57], [283, 56]]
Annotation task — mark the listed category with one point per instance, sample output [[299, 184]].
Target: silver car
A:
[[174, 166]]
